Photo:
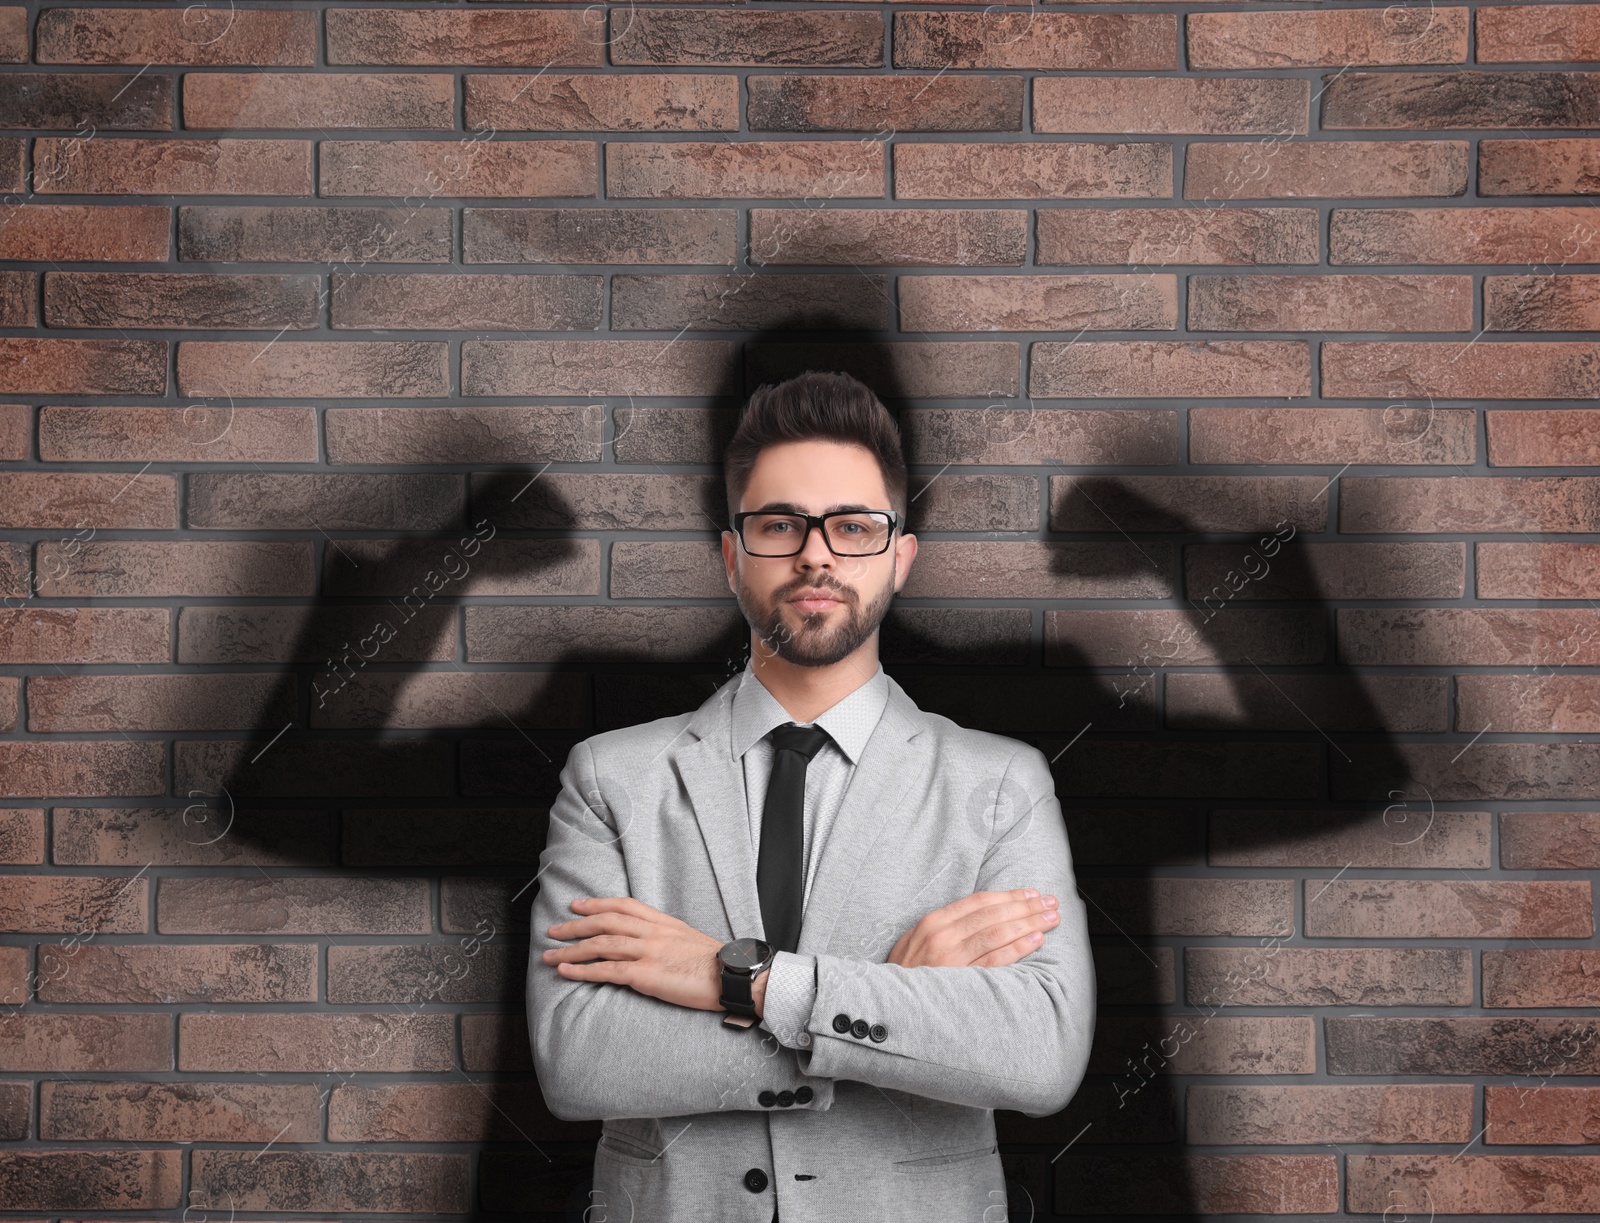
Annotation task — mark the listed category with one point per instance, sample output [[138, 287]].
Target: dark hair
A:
[[830, 406]]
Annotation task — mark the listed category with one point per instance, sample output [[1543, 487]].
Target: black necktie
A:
[[780, 869]]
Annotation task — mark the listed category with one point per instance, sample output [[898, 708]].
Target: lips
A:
[[815, 600]]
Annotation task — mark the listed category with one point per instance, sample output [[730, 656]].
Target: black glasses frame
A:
[[819, 521]]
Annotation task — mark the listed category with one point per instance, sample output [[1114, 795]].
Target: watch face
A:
[[745, 953]]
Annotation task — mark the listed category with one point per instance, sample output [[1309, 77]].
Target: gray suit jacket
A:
[[888, 1120]]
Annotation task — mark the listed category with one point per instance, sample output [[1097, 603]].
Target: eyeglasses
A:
[[846, 532]]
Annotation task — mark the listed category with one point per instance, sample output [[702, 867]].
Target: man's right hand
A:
[[986, 930]]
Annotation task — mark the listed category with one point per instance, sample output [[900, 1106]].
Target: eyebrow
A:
[[789, 507]]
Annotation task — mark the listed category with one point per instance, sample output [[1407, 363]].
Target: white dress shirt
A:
[[792, 981]]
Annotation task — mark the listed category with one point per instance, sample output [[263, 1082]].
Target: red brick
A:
[[332, 1182], [1547, 976], [151, 165], [463, 301], [1203, 1184], [118, 1178], [1326, 169], [1182, 638], [339, 235], [1448, 908], [1189, 503], [766, 38], [14, 35], [567, 434], [1119, 105], [442, 1112], [1469, 503], [741, 302], [1569, 302], [22, 843], [315, 1044], [315, 101], [1421, 101], [145, 36], [942, 369], [1330, 303], [1539, 34], [1338, 38], [1261, 702], [1398, 434], [260, 1113], [475, 166], [157, 569], [1484, 370], [1119, 42], [43, 904], [1470, 636], [164, 974], [908, 103], [585, 367], [1328, 976], [1052, 170], [1540, 1114], [158, 702], [76, 635], [1544, 438], [1539, 167], [1160, 236], [1303, 1116], [32, 366], [915, 237], [1038, 303], [589, 235], [1474, 1184], [1167, 369], [1185, 770], [631, 102], [1553, 236], [1490, 771], [1035, 435], [103, 1043], [1461, 1046], [1135, 1047], [137, 836], [194, 434], [69, 499], [1549, 840], [122, 768], [313, 368], [181, 299], [786, 169], [502, 38], [1404, 835], [1564, 704]]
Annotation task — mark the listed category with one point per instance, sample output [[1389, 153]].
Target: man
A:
[[915, 951]]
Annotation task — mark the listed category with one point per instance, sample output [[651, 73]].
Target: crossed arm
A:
[[984, 1030]]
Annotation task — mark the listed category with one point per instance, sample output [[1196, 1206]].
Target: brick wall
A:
[[364, 375]]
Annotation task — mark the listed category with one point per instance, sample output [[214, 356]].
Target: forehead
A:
[[816, 476]]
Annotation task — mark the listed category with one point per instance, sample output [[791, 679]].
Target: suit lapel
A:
[[873, 807]]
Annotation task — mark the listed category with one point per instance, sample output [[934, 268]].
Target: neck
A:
[[807, 692]]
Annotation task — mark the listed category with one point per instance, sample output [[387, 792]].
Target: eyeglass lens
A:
[[849, 534]]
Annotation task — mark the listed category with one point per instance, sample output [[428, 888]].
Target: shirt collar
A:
[[849, 721]]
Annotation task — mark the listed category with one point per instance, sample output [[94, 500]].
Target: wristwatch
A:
[[742, 961]]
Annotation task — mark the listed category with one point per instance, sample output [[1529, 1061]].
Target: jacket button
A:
[[803, 1096], [785, 1099], [841, 1024], [879, 1033], [766, 1099], [860, 1028], [755, 1180]]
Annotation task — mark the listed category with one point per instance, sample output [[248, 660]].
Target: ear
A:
[[905, 551], [730, 559]]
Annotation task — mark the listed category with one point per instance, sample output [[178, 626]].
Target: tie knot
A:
[[806, 740]]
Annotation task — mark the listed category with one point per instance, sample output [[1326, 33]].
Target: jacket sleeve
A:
[[602, 1050], [1014, 1037]]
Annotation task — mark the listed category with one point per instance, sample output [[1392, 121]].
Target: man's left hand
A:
[[645, 949]]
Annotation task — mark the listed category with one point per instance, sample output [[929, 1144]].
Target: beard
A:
[[814, 642]]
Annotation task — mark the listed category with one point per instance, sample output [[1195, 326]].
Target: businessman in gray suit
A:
[[794, 947]]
